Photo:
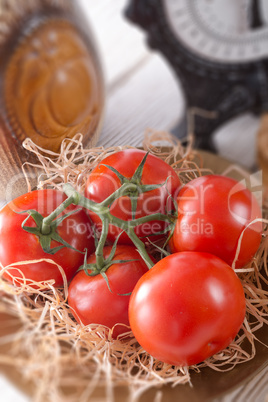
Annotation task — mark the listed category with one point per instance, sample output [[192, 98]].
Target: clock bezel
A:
[[214, 43], [179, 53]]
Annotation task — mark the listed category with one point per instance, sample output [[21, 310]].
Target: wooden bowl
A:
[[208, 384]]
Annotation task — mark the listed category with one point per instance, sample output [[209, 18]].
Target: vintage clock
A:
[[218, 49]]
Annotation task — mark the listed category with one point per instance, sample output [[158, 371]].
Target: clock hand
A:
[[255, 15]]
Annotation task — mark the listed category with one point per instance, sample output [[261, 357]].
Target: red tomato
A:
[[18, 245], [188, 307], [91, 299], [102, 182], [213, 211]]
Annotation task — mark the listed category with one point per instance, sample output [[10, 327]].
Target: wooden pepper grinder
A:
[[50, 74], [262, 154], [51, 82]]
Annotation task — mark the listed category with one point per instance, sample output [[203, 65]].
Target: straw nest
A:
[[62, 357]]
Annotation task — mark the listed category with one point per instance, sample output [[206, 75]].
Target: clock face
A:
[[227, 31]]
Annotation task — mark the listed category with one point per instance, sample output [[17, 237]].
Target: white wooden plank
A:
[[236, 140], [255, 390], [9, 393], [150, 98], [121, 44]]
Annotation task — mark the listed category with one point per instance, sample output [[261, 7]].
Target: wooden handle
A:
[[262, 150]]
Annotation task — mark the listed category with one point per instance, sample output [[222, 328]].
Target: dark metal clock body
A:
[[225, 88]]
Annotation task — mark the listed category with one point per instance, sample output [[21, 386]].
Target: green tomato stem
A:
[[103, 211], [141, 248], [46, 228], [149, 218], [120, 192], [99, 250]]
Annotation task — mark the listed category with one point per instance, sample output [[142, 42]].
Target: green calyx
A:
[[94, 269], [132, 187], [136, 178], [46, 227]]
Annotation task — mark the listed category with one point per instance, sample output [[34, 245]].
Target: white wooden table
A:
[[142, 93]]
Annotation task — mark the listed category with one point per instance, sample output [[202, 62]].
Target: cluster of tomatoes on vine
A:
[[182, 308]]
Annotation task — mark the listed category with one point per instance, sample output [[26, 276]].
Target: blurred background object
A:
[[51, 83], [143, 90], [262, 151], [219, 52]]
